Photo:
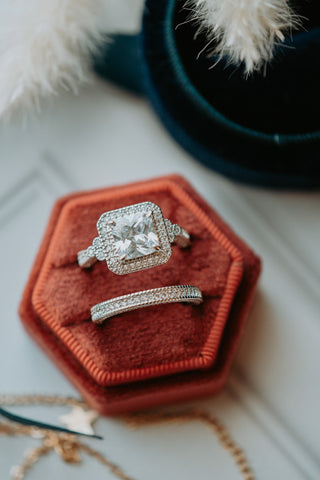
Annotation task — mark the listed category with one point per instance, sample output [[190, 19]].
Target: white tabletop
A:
[[271, 403]]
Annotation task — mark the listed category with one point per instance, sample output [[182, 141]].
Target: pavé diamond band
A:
[[146, 298], [133, 238]]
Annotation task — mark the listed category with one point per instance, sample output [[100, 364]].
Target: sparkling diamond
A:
[[135, 235]]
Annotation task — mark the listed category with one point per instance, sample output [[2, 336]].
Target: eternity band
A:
[[133, 238], [146, 298]]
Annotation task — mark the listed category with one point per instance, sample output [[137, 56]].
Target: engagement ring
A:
[[133, 238]]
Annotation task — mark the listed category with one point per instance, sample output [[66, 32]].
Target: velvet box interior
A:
[[150, 356]]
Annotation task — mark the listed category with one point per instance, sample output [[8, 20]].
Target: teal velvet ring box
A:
[[263, 129]]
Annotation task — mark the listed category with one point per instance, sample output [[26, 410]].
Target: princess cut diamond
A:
[[135, 235]]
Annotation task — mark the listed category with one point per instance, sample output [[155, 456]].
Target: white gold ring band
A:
[[146, 298]]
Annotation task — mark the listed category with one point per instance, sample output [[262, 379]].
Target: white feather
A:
[[45, 45], [244, 30]]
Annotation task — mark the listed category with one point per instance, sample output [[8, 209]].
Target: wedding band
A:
[[133, 238], [146, 298]]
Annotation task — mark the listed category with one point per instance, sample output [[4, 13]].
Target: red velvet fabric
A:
[[149, 356]]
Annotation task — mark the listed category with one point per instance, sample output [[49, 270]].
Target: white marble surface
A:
[[271, 403]]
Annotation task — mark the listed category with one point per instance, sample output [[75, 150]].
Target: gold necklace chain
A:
[[69, 447], [40, 400]]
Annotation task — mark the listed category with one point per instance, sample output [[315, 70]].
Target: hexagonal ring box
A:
[[152, 356]]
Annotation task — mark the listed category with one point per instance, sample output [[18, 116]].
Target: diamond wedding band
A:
[[146, 298], [133, 238]]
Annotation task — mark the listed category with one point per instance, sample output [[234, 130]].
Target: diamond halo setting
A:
[[134, 238]]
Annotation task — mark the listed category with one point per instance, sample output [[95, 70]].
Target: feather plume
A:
[[244, 30], [45, 45]]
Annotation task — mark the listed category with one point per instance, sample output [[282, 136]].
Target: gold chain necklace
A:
[[69, 447]]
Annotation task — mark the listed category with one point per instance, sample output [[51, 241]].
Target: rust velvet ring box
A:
[[151, 356]]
